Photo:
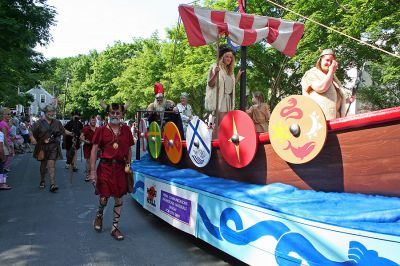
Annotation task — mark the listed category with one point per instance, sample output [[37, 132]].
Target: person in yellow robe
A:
[[321, 84]]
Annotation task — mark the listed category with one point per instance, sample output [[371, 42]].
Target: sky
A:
[[84, 25]]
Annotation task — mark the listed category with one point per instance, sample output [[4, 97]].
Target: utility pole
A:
[[65, 96]]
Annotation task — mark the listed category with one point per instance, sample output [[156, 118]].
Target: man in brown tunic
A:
[[47, 132]]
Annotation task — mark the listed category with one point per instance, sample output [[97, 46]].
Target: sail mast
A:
[[243, 65]]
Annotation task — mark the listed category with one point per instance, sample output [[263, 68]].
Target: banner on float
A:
[[174, 205]]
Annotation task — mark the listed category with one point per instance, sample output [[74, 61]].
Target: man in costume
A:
[[185, 110], [321, 84], [115, 141], [87, 137], [160, 105], [47, 132], [72, 143]]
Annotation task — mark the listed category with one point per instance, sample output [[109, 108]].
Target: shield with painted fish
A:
[[297, 129]]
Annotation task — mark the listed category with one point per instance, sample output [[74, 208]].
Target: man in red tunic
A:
[[86, 137], [115, 141]]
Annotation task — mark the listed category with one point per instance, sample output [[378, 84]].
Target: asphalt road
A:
[[42, 228]]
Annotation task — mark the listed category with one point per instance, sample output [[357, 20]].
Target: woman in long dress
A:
[[227, 80]]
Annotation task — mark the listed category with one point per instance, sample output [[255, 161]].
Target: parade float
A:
[[308, 192]]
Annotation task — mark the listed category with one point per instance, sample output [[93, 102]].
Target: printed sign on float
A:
[[175, 205]]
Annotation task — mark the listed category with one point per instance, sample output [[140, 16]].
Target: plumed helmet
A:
[[158, 89]]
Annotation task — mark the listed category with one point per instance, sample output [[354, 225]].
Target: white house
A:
[[41, 98]]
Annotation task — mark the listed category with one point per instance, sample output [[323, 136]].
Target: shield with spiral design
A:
[[297, 129]]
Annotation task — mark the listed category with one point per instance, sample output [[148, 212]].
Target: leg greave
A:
[[117, 211], [102, 204]]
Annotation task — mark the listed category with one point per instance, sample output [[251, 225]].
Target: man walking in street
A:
[[47, 132], [115, 141], [72, 143]]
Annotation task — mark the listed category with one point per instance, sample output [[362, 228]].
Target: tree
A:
[[23, 25]]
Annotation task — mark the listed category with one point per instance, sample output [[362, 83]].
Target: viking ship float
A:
[[341, 178]]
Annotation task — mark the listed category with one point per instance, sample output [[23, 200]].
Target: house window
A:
[[34, 97], [42, 98]]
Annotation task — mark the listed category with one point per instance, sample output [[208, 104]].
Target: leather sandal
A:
[[53, 188], [4, 186], [117, 234], [98, 223]]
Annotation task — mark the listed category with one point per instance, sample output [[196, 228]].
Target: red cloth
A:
[[111, 179], [204, 26], [88, 133]]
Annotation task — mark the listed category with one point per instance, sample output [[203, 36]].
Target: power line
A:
[[332, 29]]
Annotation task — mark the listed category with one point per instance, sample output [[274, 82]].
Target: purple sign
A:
[[177, 207]]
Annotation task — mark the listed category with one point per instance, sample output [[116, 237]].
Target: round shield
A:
[[297, 129], [198, 140], [172, 142], [237, 139], [143, 134], [154, 139]]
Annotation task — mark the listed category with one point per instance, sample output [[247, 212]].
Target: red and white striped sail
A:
[[204, 26]]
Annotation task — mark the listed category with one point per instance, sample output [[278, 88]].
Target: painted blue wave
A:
[[245, 236], [288, 242], [138, 184], [212, 229]]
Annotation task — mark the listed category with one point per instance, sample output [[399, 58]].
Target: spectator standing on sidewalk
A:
[[47, 132], [115, 140], [3, 177], [8, 145]]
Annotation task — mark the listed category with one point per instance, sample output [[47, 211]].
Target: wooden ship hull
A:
[[361, 155]]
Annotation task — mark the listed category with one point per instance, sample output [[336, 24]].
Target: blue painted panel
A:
[[261, 238], [138, 188]]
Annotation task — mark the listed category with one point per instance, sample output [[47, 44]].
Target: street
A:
[[42, 228]]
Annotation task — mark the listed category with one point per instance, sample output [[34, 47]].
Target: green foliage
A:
[[126, 72], [23, 25]]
